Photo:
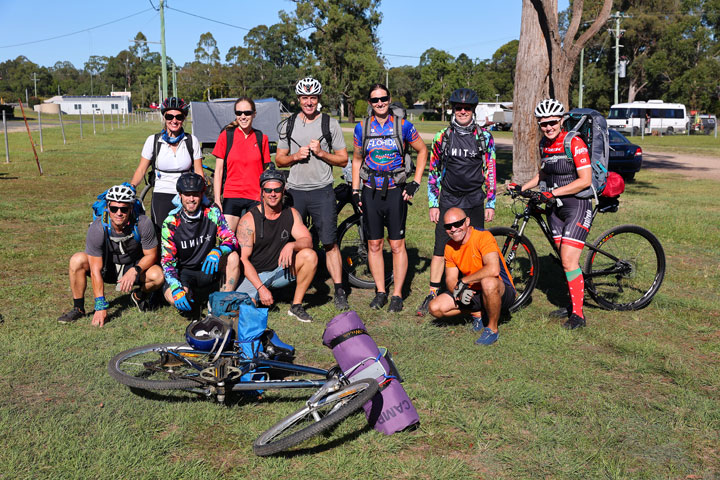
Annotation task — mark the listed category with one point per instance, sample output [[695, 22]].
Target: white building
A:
[[86, 105]]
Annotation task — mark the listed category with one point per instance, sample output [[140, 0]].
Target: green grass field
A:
[[634, 395]]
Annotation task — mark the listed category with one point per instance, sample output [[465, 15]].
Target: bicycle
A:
[[623, 270], [177, 366]]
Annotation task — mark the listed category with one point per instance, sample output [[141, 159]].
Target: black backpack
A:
[[324, 126], [230, 134], [445, 146], [592, 127], [156, 148]]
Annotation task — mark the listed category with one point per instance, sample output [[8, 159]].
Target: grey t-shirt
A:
[[131, 251], [313, 173]]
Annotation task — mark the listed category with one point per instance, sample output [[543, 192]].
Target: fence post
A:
[[40, 128], [111, 120], [7, 148], [81, 132], [103, 117], [93, 114], [118, 118], [62, 127]]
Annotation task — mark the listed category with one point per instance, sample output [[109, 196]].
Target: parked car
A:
[[703, 124], [625, 157]]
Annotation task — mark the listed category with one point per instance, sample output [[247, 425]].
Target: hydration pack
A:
[[400, 175], [324, 128], [229, 135], [150, 180], [99, 210], [592, 127]]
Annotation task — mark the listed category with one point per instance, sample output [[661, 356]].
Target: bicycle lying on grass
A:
[[177, 366], [623, 268]]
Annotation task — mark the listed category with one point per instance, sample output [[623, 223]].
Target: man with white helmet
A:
[[311, 144], [119, 248]]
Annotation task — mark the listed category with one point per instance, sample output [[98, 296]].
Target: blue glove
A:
[[210, 265], [180, 300]]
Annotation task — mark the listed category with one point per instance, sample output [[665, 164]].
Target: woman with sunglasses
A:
[[171, 153], [560, 179], [239, 165], [382, 189]]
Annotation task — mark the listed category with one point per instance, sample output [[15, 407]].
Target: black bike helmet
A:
[[190, 182], [271, 174], [464, 95], [174, 103]]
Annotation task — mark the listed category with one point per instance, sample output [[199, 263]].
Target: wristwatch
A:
[[138, 269]]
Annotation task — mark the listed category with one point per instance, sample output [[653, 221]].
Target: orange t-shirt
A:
[[468, 256]]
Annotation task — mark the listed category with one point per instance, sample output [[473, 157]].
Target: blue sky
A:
[[475, 27]]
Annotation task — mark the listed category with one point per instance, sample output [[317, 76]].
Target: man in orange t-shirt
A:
[[477, 278]]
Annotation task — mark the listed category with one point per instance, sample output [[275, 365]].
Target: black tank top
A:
[[194, 238], [276, 234]]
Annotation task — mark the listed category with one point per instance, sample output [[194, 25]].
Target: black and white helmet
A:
[[549, 108], [308, 86], [120, 193]]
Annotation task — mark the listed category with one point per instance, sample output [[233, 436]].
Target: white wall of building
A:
[[87, 105]]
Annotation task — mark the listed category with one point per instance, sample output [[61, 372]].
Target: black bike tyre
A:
[[350, 260], [591, 284], [523, 287], [268, 442], [115, 370]]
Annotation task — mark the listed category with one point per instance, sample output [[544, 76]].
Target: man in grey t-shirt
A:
[[119, 249], [311, 153]]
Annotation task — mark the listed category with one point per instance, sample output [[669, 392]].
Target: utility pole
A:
[[35, 80], [163, 57], [617, 32], [174, 81], [580, 92]]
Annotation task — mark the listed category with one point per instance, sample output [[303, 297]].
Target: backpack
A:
[[445, 147], [592, 127], [399, 175], [324, 127], [156, 148], [229, 135]]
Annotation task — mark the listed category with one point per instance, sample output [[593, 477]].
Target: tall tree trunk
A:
[[531, 82]]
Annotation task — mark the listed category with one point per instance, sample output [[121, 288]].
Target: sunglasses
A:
[[247, 113], [115, 209], [550, 123], [170, 116], [460, 108], [458, 224], [273, 190], [379, 99]]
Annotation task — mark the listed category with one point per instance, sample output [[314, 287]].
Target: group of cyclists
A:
[[248, 239]]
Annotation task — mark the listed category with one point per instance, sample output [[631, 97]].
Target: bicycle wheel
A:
[[521, 260], [149, 367], [626, 270], [313, 419], [146, 193], [354, 255]]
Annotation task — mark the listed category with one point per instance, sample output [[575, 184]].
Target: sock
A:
[[79, 303], [476, 315], [576, 286], [338, 286], [435, 288]]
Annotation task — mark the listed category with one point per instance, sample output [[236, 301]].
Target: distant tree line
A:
[[672, 51]]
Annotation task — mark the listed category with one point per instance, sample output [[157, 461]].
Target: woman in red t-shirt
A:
[[237, 177]]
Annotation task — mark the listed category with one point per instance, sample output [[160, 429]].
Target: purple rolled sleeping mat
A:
[[358, 356]]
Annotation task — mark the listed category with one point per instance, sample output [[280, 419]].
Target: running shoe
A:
[[488, 337], [575, 321], [477, 324], [72, 316], [139, 299], [561, 312], [297, 311], [396, 304], [425, 305], [340, 300], [379, 301]]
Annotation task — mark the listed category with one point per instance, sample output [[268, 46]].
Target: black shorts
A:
[[571, 222], [161, 205], [390, 212], [474, 209], [196, 280], [237, 207], [319, 205], [112, 272], [476, 304]]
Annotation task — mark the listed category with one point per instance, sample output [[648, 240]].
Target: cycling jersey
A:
[[383, 154], [243, 165], [557, 169], [468, 257], [463, 172], [187, 241]]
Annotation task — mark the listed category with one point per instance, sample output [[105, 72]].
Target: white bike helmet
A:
[[120, 193], [308, 86], [549, 108]]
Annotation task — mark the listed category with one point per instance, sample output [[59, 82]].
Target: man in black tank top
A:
[[276, 247]]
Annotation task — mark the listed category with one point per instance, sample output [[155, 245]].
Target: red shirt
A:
[[244, 164]]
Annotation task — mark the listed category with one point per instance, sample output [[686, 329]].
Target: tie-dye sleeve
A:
[[169, 251], [434, 171], [226, 238], [490, 170]]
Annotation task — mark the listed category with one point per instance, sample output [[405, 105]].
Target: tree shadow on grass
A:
[[3, 176]]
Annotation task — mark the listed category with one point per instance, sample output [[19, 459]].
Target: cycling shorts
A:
[[113, 272], [319, 205], [197, 280], [476, 304], [570, 223], [160, 206], [237, 207], [378, 213]]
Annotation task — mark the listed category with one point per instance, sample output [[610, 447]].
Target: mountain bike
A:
[[177, 366], [623, 268]]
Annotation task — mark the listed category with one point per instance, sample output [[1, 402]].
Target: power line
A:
[[208, 19], [79, 31]]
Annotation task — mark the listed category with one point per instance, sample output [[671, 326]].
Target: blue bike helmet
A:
[[209, 334]]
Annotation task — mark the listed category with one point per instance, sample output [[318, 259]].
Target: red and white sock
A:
[[576, 286]]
